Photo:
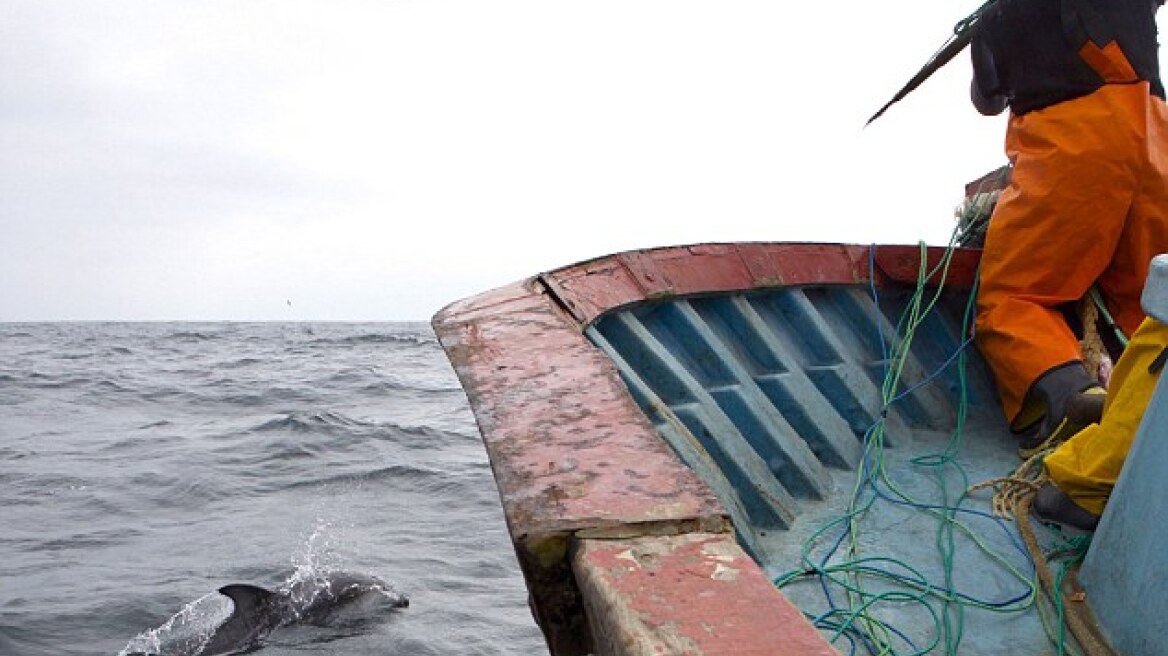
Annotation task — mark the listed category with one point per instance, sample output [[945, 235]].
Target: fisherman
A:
[[1088, 200], [1083, 470]]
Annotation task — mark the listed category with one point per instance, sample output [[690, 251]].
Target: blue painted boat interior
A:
[[777, 399]]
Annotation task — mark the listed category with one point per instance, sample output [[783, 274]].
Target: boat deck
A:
[[696, 423], [771, 397]]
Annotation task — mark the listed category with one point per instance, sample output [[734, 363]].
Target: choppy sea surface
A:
[[144, 465]]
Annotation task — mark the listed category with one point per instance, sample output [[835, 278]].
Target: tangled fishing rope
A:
[[1072, 611]]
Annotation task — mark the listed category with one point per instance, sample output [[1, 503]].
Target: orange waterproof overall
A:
[[1087, 204]]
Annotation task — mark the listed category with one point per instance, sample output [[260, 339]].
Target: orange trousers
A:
[[1087, 204]]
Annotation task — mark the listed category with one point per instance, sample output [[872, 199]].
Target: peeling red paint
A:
[[591, 288], [569, 447], [570, 450], [693, 595]]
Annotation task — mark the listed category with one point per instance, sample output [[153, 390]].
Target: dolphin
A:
[[319, 600], [322, 600]]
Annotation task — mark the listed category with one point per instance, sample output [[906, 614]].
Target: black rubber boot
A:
[[1086, 407], [1072, 399], [1053, 506]]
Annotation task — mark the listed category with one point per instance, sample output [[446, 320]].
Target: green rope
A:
[[857, 572], [854, 573], [1072, 554]]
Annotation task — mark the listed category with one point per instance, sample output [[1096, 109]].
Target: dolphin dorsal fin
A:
[[249, 600], [250, 621]]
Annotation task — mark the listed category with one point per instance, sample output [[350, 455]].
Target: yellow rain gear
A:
[[1087, 465], [1087, 204]]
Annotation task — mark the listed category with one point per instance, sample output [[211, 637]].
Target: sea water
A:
[[144, 465]]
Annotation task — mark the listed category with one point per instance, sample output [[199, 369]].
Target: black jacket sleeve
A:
[[986, 89]]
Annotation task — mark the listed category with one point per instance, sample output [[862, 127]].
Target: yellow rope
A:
[[1022, 482], [1092, 343]]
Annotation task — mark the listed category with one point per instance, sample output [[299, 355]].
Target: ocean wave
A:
[[65, 493], [41, 380], [44, 485], [107, 385], [406, 339], [87, 540], [104, 391], [186, 491], [342, 434], [413, 474], [155, 444], [432, 435], [240, 363], [9, 453], [190, 336], [392, 384], [304, 422], [163, 394], [348, 377], [162, 423]]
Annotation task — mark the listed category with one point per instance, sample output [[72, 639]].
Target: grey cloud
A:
[[82, 144]]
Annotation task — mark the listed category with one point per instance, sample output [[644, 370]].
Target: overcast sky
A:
[[167, 159]]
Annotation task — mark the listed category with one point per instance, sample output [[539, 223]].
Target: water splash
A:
[[318, 576], [311, 563], [187, 632], [319, 551]]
